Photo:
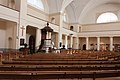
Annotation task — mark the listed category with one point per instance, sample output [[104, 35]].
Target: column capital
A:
[[87, 43]]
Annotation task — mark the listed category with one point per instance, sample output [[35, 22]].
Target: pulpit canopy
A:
[[47, 28]]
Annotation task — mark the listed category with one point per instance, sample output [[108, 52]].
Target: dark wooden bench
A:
[[58, 67], [58, 74], [61, 62]]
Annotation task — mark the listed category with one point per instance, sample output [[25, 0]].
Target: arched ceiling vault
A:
[[76, 9], [65, 3], [93, 4]]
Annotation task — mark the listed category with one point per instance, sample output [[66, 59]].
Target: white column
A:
[[71, 41], [17, 38], [66, 41], [59, 40], [111, 43], [38, 38], [60, 31], [87, 43], [98, 43], [77, 43], [22, 6]]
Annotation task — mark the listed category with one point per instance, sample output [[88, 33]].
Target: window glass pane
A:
[[36, 3], [107, 17], [30, 1], [40, 4], [64, 17]]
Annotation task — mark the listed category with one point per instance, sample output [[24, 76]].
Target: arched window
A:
[[71, 28], [107, 17], [36, 3], [64, 17], [53, 20]]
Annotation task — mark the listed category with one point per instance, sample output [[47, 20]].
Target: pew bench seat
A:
[[57, 74]]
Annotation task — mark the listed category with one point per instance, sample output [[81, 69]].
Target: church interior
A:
[[59, 39]]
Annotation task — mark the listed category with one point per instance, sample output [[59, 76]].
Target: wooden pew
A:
[[61, 62], [60, 66], [5, 56], [57, 74]]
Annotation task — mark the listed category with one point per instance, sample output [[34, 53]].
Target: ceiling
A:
[[76, 9]]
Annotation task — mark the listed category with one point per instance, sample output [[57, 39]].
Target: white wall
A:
[[11, 34], [56, 16], [2, 34], [8, 32], [40, 24], [37, 13], [9, 14], [65, 25], [75, 27], [101, 27]]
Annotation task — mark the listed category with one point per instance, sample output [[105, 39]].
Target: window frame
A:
[[103, 15]]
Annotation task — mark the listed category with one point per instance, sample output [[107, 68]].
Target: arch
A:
[[107, 17], [84, 47], [71, 28], [53, 20], [65, 17], [90, 6], [32, 44]]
